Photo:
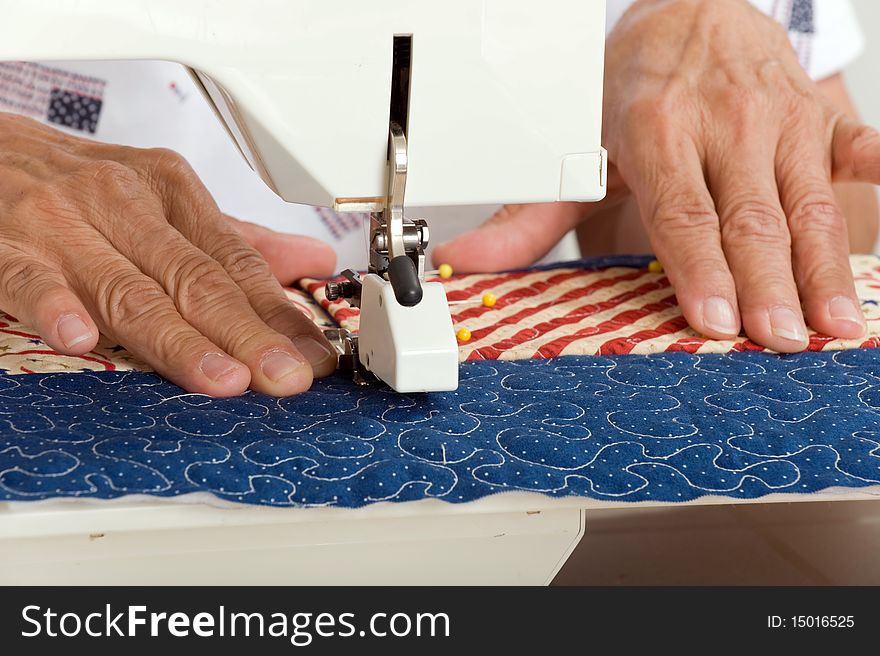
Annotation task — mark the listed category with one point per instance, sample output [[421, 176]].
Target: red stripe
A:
[[521, 293], [873, 342], [625, 345], [312, 287], [345, 313], [493, 351], [108, 365], [536, 289], [819, 342], [483, 285], [572, 316], [553, 348], [18, 333], [747, 345], [687, 345]]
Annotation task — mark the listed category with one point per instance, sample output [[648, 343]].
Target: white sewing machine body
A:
[[499, 100]]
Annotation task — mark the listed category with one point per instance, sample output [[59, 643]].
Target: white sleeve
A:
[[825, 33], [837, 40]]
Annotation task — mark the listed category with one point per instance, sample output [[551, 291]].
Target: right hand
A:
[[128, 242], [731, 152]]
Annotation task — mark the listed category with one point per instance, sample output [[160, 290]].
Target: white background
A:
[[862, 75]]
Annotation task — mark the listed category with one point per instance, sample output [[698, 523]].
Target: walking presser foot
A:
[[405, 337]]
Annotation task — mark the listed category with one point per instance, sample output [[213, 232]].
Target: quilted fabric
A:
[[669, 427], [672, 426], [601, 306], [596, 307], [23, 352]]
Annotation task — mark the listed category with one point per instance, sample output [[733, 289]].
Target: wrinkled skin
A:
[[731, 153], [128, 242]]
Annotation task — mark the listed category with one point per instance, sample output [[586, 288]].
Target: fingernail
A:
[[216, 365], [277, 365], [718, 315], [785, 323], [314, 351], [844, 309], [72, 330]]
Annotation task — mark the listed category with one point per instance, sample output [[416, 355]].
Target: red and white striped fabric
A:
[[610, 311], [23, 352], [538, 314]]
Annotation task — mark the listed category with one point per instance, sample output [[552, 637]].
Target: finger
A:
[[683, 227], [519, 235], [135, 311], [820, 245], [208, 299], [212, 233], [515, 236], [38, 296], [202, 291], [290, 257], [193, 212], [757, 244], [855, 152], [212, 297]]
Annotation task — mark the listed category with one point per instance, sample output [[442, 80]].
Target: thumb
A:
[[290, 257], [855, 152], [515, 236]]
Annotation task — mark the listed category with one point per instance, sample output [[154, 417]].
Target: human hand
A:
[[731, 153], [129, 242]]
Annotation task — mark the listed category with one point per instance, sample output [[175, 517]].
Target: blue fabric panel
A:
[[599, 262], [670, 427]]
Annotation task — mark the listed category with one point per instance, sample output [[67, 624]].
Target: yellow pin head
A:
[[655, 267], [489, 300], [463, 334], [444, 271]]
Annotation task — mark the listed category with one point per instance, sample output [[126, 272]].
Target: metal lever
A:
[[397, 254], [397, 167], [392, 235]]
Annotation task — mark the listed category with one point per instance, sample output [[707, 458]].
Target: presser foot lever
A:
[[406, 337]]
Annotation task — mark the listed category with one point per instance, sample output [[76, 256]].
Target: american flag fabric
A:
[[22, 351], [52, 94], [799, 17], [586, 310], [339, 224]]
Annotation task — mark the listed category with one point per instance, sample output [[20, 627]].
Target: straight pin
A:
[[444, 271], [488, 300]]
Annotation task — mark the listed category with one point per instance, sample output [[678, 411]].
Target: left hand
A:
[[126, 241]]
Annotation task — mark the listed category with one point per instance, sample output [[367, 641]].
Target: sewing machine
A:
[[359, 105], [460, 102], [463, 102]]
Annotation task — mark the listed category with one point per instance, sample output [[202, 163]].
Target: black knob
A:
[[404, 279]]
